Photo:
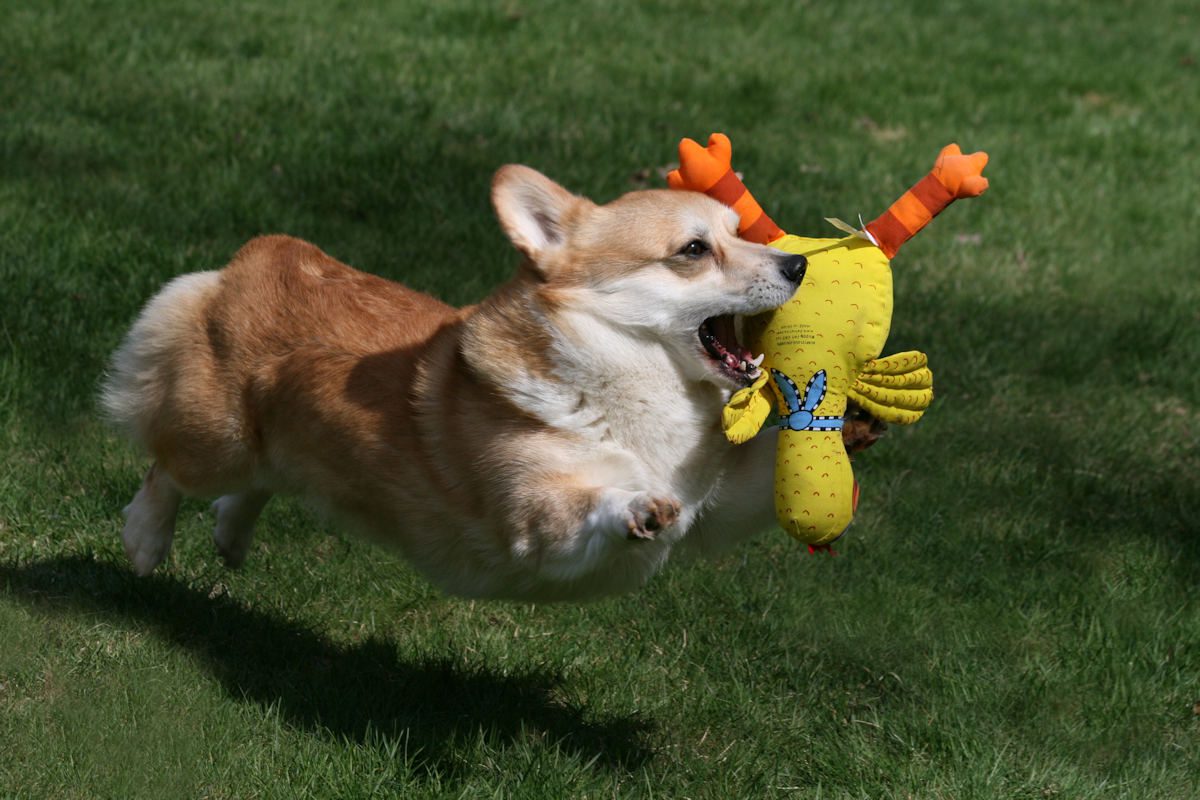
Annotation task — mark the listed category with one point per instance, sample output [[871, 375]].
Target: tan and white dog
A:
[[554, 442]]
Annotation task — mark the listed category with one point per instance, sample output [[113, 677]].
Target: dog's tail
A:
[[143, 371]]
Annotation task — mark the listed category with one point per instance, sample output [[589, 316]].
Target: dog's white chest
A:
[[668, 434]]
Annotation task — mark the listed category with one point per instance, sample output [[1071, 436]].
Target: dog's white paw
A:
[[236, 515], [231, 535], [147, 534], [648, 514]]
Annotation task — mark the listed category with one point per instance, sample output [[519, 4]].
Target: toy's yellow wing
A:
[[896, 389]]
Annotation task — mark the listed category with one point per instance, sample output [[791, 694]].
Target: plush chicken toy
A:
[[822, 347]]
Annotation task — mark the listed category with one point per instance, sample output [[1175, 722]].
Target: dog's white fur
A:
[[557, 441]]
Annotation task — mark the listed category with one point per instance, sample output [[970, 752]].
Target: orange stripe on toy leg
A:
[[748, 210], [932, 194], [728, 189], [911, 212], [889, 233], [753, 223], [762, 231]]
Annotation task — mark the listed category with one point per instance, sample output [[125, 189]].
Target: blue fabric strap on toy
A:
[[800, 411]]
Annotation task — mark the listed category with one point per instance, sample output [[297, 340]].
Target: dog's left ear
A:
[[533, 210]]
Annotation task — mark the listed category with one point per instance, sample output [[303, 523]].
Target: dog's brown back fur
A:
[[279, 303]]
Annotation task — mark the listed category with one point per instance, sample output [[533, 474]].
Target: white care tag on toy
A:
[[846, 227]]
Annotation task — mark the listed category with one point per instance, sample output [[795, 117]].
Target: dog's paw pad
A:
[[648, 515]]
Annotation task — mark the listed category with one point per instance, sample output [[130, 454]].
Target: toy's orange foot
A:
[[961, 175], [701, 167], [813, 549]]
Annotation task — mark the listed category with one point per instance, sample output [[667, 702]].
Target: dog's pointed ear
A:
[[533, 210]]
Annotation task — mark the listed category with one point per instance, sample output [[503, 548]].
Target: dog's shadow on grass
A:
[[359, 692]]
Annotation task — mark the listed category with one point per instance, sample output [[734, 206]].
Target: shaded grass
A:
[[350, 691], [1015, 614]]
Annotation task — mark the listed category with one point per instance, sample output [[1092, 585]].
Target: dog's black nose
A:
[[793, 268]]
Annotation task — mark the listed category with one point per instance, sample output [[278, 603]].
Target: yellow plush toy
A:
[[822, 347]]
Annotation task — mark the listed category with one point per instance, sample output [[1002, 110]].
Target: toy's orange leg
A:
[[708, 170], [953, 176]]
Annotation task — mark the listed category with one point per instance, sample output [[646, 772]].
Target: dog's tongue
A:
[[725, 332], [719, 337]]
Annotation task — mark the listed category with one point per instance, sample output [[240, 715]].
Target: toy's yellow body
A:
[[822, 347]]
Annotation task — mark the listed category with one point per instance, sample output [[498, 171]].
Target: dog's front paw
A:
[[647, 515]]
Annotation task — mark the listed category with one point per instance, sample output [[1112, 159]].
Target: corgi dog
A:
[[557, 441]]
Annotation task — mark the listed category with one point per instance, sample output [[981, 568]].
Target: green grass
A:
[[1016, 612]]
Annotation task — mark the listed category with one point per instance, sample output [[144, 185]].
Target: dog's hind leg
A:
[[150, 521], [236, 514]]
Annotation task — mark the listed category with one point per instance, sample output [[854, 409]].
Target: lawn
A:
[[1016, 614]]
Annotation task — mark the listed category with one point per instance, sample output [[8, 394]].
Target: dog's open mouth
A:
[[718, 335]]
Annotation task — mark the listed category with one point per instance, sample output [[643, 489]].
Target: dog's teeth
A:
[[742, 366], [757, 362]]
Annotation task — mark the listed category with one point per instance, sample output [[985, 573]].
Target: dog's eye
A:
[[694, 249]]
